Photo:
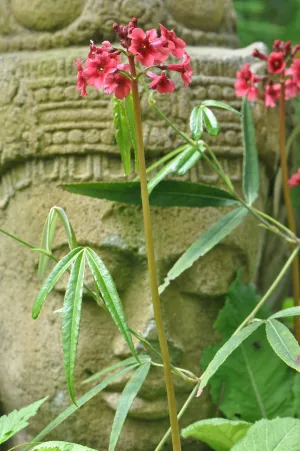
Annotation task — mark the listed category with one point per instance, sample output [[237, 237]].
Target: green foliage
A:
[[196, 122], [251, 168], [284, 343], [17, 420], [129, 113], [61, 446], [211, 122], [218, 433], [123, 136], [251, 389]]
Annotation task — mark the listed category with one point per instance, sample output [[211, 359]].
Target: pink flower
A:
[[295, 72], [176, 45], [244, 85], [294, 180], [162, 83], [98, 68], [81, 81], [291, 88], [146, 46], [276, 63], [116, 83], [272, 93], [184, 68]]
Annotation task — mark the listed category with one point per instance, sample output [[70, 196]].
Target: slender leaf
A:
[[110, 295], [129, 110], [251, 167], [225, 351], [191, 161], [205, 243], [217, 104], [284, 343], [17, 420], [196, 122], [293, 311], [218, 433], [71, 315], [81, 401], [51, 280], [67, 226], [211, 122], [61, 446], [168, 193], [130, 391], [123, 137]]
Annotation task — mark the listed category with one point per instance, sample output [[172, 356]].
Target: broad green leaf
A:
[[293, 311], [109, 369], [224, 352], [251, 389], [168, 193], [191, 161], [129, 110], [281, 434], [81, 401], [129, 393], [196, 122], [51, 280], [251, 167], [110, 295], [71, 315], [61, 446], [218, 433], [205, 243], [17, 420], [284, 343], [211, 122], [217, 104], [296, 395], [122, 134], [295, 196]]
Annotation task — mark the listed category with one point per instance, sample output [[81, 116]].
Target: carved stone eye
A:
[[203, 15], [48, 15]]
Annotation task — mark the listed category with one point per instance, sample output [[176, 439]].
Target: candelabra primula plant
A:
[[141, 62]]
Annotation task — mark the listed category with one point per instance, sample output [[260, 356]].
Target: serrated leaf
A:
[[61, 446], [17, 420], [293, 311], [284, 343], [168, 193], [250, 165], [218, 433], [211, 122], [71, 316], [196, 122], [129, 110], [81, 401], [217, 104], [123, 137], [51, 280], [110, 295], [129, 393], [281, 434], [205, 243]]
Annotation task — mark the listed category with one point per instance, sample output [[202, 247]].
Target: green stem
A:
[[151, 263]]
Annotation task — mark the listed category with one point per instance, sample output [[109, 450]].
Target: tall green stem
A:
[[287, 199], [151, 263]]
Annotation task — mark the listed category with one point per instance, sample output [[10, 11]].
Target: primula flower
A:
[[272, 93], [276, 63], [81, 81], [295, 72], [291, 89], [98, 68], [184, 68], [161, 82], [147, 46], [244, 85], [175, 44], [116, 83], [294, 180]]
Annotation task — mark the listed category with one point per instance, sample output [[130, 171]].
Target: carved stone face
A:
[[51, 136]]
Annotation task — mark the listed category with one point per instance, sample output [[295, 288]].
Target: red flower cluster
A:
[[294, 180], [104, 68], [278, 71]]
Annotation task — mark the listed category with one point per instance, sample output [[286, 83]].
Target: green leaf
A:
[[284, 343], [168, 193], [293, 311], [217, 104], [281, 434], [251, 167], [17, 420], [196, 122], [51, 280], [224, 352], [71, 315], [253, 381], [123, 137], [191, 161], [295, 196], [211, 122], [130, 391], [61, 446], [205, 243], [218, 433], [80, 402], [129, 110], [110, 295]]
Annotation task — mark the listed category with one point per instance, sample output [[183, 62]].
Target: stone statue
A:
[[49, 135]]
